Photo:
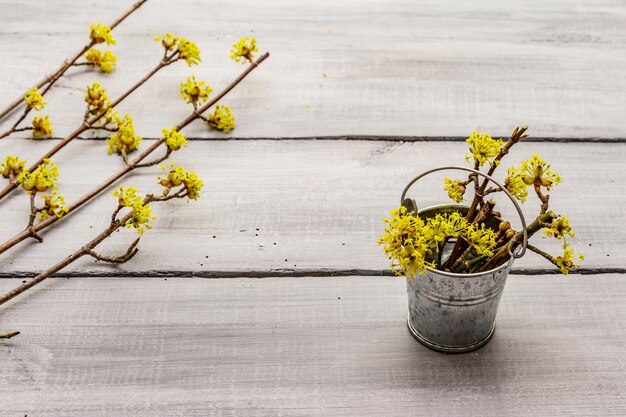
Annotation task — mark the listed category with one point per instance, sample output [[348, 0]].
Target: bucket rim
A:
[[457, 274]]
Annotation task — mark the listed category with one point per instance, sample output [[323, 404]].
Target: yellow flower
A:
[[100, 33], [435, 230], [559, 228], [180, 176], [42, 126], [141, 214], [105, 60], [404, 243], [538, 172], [194, 92], [124, 140], [483, 148], [41, 179], [242, 51], [566, 261], [482, 239], [127, 196], [34, 100], [54, 205], [222, 119], [187, 49], [96, 98], [456, 224], [168, 41], [189, 52], [455, 189], [174, 139], [515, 184], [12, 166]]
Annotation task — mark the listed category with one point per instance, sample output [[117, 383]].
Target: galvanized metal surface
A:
[[451, 312]]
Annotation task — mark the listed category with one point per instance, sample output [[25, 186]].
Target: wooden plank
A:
[[306, 347], [272, 207], [407, 68]]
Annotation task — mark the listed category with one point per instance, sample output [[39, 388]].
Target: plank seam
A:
[[275, 273]]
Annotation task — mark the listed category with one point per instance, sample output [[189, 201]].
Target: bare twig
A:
[[9, 335], [52, 78]]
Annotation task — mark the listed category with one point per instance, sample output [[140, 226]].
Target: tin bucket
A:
[[452, 312]]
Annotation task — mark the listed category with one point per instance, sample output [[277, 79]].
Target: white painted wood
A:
[[305, 347], [400, 68], [316, 204]]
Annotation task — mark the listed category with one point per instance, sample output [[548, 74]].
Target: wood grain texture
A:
[[402, 68], [272, 206], [305, 347]]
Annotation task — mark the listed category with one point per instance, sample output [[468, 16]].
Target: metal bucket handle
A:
[[515, 255]]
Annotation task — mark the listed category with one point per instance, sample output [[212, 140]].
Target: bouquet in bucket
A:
[[474, 238]]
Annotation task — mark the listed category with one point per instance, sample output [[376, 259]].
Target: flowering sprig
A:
[[179, 48], [480, 248], [414, 244], [189, 183], [34, 100], [100, 33], [42, 126], [243, 50], [195, 92], [132, 211], [105, 60], [12, 167], [483, 149], [222, 118], [172, 140], [124, 140]]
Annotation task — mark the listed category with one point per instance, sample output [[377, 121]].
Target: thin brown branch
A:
[[135, 163], [9, 335], [87, 249], [168, 152], [132, 251], [53, 77], [84, 126]]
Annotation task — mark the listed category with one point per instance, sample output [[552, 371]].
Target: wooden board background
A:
[[306, 347], [405, 83]]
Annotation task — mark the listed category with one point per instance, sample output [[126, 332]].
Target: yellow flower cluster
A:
[[187, 49], [100, 33], [54, 205], [538, 172], [404, 245], [194, 92], [566, 261], [177, 176], [222, 119], [34, 100], [124, 140], [189, 52], [559, 228], [483, 148], [41, 179], [12, 166], [242, 51], [514, 183], [96, 98], [455, 189], [104, 60], [174, 140], [141, 214], [408, 240], [482, 239], [42, 126]]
